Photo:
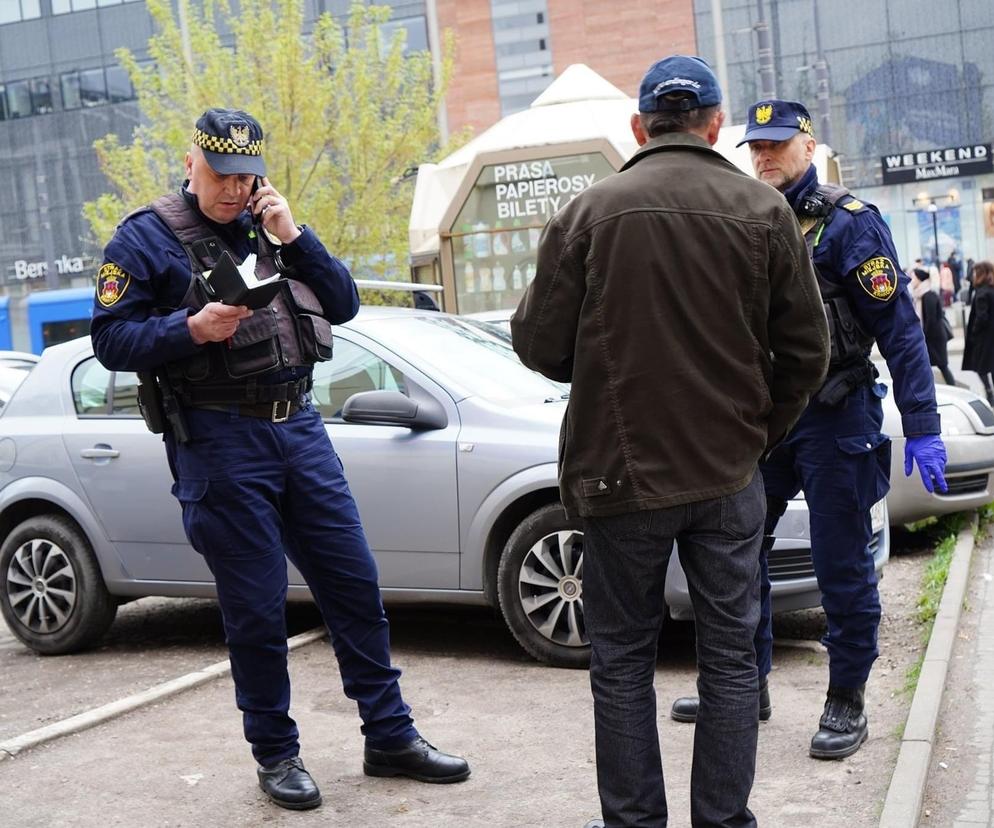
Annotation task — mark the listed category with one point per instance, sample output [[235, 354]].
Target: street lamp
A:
[[928, 203], [933, 208]]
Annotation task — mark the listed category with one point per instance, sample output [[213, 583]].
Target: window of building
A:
[[3, 102], [69, 82], [416, 29], [18, 99], [66, 6], [12, 11], [92, 87], [41, 96], [119, 86]]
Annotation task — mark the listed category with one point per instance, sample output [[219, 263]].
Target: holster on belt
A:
[[840, 384], [159, 407]]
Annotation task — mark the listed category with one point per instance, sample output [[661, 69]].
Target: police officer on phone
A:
[[836, 452], [256, 476]]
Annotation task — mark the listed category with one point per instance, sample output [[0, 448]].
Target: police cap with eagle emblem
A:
[[776, 120], [231, 141]]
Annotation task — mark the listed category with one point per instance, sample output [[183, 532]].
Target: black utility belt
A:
[[244, 394], [278, 411]]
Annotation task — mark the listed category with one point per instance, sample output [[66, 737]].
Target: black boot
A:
[[685, 709], [842, 728]]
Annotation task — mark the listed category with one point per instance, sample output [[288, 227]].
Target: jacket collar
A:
[[669, 141], [800, 188]]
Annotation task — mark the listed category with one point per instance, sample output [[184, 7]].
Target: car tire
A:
[[52, 593], [540, 588]]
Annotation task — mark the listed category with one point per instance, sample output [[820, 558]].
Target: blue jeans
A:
[[624, 570]]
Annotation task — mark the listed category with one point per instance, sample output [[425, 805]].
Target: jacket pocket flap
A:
[[304, 298], [861, 443], [259, 326], [190, 489]]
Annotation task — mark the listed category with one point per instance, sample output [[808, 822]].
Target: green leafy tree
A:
[[345, 113]]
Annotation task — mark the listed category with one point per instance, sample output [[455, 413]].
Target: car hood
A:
[[540, 416]]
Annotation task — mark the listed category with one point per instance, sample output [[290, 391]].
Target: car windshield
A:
[[471, 353]]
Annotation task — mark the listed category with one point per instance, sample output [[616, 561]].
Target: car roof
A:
[[18, 356]]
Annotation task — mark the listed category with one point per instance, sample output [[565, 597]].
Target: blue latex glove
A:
[[929, 452]]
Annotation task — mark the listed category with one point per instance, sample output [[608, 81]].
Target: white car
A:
[[967, 423]]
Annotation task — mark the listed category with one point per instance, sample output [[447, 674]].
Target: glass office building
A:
[[910, 103], [61, 88]]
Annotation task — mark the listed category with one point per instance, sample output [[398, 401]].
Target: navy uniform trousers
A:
[[254, 493], [838, 456]]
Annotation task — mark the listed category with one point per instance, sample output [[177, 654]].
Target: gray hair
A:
[[678, 120]]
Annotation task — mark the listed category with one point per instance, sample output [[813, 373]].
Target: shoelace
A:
[[289, 764], [839, 715]]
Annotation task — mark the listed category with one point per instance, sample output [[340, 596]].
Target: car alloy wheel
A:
[[41, 586], [550, 587], [52, 593], [540, 588]]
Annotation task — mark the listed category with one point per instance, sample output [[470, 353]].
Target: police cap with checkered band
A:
[[231, 141], [776, 120]]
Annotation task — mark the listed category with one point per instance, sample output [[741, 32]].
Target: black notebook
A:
[[231, 286]]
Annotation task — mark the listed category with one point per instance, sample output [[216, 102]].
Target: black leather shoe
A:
[[684, 709], [842, 729], [417, 760], [289, 785]]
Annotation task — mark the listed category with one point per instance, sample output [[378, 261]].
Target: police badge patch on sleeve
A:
[[111, 284], [878, 277]]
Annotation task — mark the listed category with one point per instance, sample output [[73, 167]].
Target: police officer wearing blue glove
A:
[[836, 452], [255, 473]]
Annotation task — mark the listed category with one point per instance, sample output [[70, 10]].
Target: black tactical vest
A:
[[290, 331], [850, 343]]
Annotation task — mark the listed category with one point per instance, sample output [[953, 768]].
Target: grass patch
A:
[[940, 534]]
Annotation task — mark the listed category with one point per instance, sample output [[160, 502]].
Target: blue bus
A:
[[44, 317], [6, 340]]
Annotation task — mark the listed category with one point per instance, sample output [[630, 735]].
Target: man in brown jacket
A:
[[678, 298]]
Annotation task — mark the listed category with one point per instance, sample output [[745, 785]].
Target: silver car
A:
[[967, 424], [449, 445]]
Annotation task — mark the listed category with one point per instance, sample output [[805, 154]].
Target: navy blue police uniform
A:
[[836, 453], [257, 489]]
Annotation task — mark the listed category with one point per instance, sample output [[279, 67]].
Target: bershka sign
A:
[[24, 269], [926, 165]]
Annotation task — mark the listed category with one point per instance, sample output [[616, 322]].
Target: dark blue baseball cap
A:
[[776, 120], [678, 73]]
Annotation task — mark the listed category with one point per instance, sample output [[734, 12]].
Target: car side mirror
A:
[[394, 409]]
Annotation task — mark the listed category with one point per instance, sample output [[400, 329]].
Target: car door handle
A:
[[99, 453]]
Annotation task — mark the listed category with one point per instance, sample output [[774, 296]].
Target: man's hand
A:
[[929, 452], [215, 322], [274, 212]]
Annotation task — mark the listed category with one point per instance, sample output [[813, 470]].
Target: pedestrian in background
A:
[[935, 325], [255, 474], [946, 284], [836, 453], [680, 254], [978, 352]]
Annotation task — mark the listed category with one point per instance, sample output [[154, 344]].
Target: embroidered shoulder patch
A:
[[111, 284], [853, 206], [878, 277]]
